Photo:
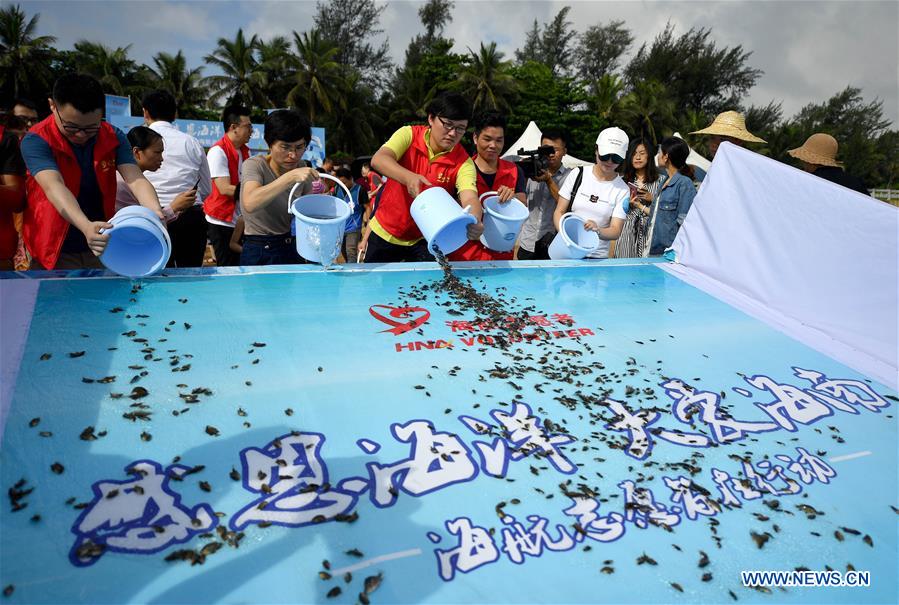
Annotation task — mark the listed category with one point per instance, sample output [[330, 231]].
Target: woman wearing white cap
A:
[[596, 193]]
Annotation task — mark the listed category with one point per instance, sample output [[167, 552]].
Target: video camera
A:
[[535, 161]]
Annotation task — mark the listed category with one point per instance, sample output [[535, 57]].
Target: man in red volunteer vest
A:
[[71, 158], [494, 174], [225, 160], [415, 158], [12, 195]]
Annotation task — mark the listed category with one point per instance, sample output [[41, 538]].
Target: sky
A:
[[808, 50]]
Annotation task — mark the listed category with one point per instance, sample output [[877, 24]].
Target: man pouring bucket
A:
[[414, 159]]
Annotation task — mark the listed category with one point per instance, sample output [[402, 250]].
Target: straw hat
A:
[[730, 124], [820, 149]]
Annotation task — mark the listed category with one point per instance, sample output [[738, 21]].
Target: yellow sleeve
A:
[[400, 141], [467, 177]]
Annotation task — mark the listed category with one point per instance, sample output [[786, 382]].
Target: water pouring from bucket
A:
[[139, 244], [320, 221], [441, 220]]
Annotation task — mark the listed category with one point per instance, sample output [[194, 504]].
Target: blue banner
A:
[[209, 132], [599, 432], [117, 106]]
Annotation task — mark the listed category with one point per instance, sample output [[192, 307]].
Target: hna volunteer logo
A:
[[401, 319], [406, 319]]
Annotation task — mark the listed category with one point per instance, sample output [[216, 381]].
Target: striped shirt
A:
[[637, 231]]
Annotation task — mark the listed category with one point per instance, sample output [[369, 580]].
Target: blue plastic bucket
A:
[[320, 221], [572, 241], [139, 244], [502, 221], [442, 222]]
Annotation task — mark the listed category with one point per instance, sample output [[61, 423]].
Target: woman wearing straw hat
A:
[[819, 156], [728, 126]]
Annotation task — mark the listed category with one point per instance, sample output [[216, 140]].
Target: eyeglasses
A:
[[75, 129], [611, 157], [450, 127], [28, 120], [294, 149]]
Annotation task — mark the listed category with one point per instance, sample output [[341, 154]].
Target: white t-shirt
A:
[[597, 201], [218, 168]]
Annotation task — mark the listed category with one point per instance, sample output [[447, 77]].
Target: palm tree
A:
[[318, 75], [486, 80], [276, 62], [352, 129], [607, 97], [242, 79], [117, 73], [23, 56], [648, 108], [172, 74], [412, 93]]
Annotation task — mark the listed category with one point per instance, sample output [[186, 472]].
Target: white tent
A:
[[530, 139], [694, 159]]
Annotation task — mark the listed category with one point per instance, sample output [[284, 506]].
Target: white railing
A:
[[887, 195]]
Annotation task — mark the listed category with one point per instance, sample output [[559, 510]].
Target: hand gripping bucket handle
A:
[[485, 195], [349, 196]]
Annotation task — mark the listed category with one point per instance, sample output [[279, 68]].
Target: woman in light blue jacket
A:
[[675, 197]]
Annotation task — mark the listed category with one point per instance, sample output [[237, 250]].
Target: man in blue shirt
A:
[[71, 158]]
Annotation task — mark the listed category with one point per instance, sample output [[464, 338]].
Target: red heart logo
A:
[[406, 314]]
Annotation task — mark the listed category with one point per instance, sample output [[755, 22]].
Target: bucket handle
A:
[[486, 194], [321, 175]]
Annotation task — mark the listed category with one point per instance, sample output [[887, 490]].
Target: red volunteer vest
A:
[[217, 205], [9, 239], [393, 209], [44, 229], [506, 174]]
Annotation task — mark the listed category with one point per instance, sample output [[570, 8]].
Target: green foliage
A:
[[553, 102], [317, 75], [242, 80], [24, 57], [696, 73], [486, 81], [172, 74], [336, 75], [349, 25], [599, 50]]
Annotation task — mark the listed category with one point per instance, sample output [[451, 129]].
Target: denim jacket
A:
[[672, 205]]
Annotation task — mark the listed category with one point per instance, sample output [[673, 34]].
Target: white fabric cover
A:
[[805, 249], [530, 139]]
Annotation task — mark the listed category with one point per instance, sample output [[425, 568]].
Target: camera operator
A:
[[542, 195]]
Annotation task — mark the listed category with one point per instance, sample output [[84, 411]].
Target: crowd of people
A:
[[63, 177]]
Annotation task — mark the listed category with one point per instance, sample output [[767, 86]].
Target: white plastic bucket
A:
[[573, 241], [502, 222], [139, 244], [442, 222], [320, 222]]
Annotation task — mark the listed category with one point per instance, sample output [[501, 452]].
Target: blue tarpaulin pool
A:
[[303, 436]]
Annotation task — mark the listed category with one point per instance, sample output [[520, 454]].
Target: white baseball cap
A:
[[612, 140]]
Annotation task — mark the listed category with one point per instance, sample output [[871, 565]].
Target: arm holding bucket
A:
[[141, 188], [385, 162], [254, 195], [67, 206]]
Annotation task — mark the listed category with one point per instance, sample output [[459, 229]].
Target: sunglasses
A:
[[611, 157]]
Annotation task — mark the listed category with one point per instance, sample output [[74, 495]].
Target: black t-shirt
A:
[[11, 161], [840, 177], [89, 196], [520, 180]]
